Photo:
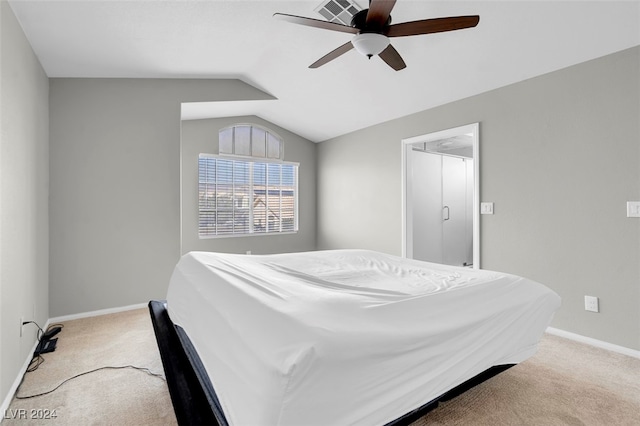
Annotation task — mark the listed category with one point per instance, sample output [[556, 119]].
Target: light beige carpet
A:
[[106, 397], [565, 383]]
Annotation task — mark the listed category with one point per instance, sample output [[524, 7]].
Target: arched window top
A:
[[250, 140]]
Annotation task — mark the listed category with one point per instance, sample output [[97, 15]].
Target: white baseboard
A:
[[97, 313], [14, 387], [594, 342]]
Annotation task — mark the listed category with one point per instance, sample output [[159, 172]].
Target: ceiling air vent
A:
[[339, 11]]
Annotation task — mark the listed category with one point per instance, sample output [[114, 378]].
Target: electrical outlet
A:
[[591, 304]]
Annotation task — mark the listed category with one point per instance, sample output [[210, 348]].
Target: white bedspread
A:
[[348, 336]]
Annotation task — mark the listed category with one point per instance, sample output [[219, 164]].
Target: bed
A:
[[337, 337]]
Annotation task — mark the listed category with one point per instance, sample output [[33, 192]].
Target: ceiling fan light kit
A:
[[370, 44], [372, 28]]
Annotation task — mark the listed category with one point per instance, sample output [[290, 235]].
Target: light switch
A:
[[486, 208], [633, 208]]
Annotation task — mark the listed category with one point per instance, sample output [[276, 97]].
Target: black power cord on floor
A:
[[143, 369], [38, 359]]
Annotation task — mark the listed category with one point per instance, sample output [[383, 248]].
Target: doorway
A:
[[441, 197]]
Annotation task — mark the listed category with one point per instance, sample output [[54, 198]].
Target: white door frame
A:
[[407, 186]]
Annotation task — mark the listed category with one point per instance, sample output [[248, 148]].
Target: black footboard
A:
[[189, 400]]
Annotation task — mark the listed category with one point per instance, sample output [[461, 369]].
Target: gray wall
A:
[[115, 186], [559, 157], [201, 136], [24, 182]]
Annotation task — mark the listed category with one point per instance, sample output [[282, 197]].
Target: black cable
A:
[[143, 369], [39, 336], [37, 361]]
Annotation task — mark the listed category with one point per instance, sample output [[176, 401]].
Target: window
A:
[[249, 140], [241, 197]]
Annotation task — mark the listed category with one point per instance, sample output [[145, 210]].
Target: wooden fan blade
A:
[[332, 55], [378, 14], [428, 26], [316, 23], [391, 56]]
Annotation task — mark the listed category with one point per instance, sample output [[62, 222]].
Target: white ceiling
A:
[[515, 40]]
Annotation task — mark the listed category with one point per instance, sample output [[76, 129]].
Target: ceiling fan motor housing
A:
[[359, 21]]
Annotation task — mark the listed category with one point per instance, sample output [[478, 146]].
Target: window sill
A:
[[253, 234]]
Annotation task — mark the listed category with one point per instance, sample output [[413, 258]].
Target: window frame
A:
[[252, 232]]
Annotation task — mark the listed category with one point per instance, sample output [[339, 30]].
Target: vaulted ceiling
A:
[[515, 40]]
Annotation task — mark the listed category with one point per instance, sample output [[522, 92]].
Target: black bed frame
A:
[[192, 394]]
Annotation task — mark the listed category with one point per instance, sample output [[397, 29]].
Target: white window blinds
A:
[[238, 197]]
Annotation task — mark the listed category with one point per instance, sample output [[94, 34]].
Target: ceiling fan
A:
[[372, 28]]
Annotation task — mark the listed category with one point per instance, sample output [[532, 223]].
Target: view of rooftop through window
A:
[[246, 197]]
